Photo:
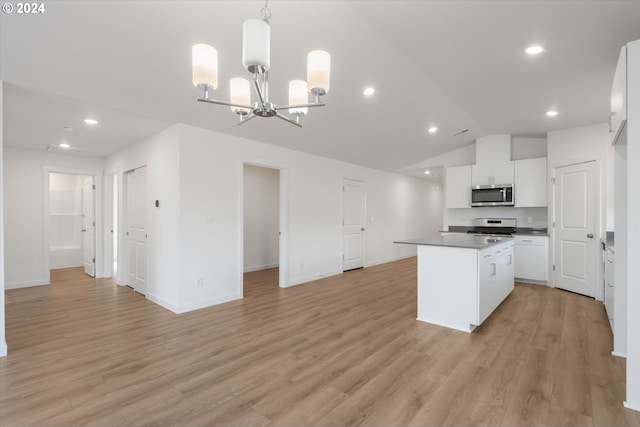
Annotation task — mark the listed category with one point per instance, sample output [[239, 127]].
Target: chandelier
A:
[[256, 48]]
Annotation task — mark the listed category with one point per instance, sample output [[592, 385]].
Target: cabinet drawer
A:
[[530, 240]]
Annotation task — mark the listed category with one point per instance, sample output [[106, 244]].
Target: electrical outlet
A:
[[199, 281]]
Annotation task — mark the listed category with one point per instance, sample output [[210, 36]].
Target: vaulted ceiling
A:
[[457, 65]]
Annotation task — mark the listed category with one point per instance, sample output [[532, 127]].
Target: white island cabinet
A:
[[462, 278]]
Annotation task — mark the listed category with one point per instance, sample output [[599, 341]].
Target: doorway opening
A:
[[72, 224], [261, 228]]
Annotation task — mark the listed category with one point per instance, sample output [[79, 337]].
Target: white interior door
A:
[[576, 248], [88, 227], [353, 221], [136, 223]]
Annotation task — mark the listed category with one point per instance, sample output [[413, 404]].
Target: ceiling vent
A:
[[74, 151], [461, 132]]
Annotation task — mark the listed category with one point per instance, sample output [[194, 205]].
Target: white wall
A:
[[633, 226], [261, 220], [25, 211], [161, 154], [578, 145], [464, 217], [3, 341], [198, 176], [528, 148]]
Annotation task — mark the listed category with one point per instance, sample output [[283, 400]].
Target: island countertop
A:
[[468, 241]]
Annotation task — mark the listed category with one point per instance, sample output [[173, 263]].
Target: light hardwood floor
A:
[[346, 350]]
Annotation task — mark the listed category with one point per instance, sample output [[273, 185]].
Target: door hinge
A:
[[553, 181], [93, 223], [343, 257], [554, 224], [554, 268], [94, 260], [93, 187]]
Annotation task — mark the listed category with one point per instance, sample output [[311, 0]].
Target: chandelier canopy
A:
[[256, 55]]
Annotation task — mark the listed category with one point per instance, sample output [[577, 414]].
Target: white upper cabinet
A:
[[619, 95], [530, 185], [493, 161], [457, 183]]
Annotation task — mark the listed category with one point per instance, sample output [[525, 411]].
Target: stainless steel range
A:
[[499, 226]]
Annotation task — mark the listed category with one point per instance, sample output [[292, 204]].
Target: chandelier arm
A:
[[229, 104], [256, 86], [287, 119], [249, 117], [285, 107]]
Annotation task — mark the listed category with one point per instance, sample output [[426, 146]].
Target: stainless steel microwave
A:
[[492, 195]]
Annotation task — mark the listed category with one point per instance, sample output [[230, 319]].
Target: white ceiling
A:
[[454, 64]]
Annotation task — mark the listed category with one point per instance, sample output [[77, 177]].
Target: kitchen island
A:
[[462, 278]]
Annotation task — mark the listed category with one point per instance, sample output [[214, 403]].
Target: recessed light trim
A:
[[427, 172], [369, 91], [91, 121], [433, 129], [551, 113], [534, 50], [64, 145]]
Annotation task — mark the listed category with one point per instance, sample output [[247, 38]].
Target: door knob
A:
[[84, 231], [362, 229], [590, 235]]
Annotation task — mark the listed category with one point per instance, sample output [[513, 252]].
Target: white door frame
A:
[[48, 170], [123, 266], [364, 220], [599, 293], [110, 239], [283, 244]]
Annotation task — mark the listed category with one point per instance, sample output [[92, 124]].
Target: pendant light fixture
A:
[[256, 54]]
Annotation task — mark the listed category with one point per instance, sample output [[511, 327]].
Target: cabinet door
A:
[[608, 285], [619, 94], [531, 262], [530, 183], [488, 289], [458, 187], [492, 173]]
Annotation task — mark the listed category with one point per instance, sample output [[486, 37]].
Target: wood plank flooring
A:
[[343, 351]]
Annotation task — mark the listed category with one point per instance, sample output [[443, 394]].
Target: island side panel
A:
[[448, 286]]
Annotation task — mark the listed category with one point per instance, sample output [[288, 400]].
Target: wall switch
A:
[[199, 281]]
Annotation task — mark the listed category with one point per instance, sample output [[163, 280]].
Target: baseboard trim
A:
[[618, 354], [260, 267], [208, 303], [312, 278], [531, 281], [3, 349], [179, 309], [161, 302], [28, 284], [388, 260], [632, 406]]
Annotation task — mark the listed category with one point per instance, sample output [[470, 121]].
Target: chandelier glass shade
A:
[[256, 54]]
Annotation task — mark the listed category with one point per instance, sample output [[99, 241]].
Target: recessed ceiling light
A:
[[534, 50], [427, 172], [64, 145], [551, 113], [433, 129], [91, 121], [369, 91]]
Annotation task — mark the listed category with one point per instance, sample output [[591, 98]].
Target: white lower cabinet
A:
[[495, 278], [531, 258], [608, 284]]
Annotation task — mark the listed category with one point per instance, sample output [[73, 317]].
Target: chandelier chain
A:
[[266, 12]]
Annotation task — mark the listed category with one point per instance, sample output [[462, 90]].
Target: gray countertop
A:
[[520, 231], [457, 240]]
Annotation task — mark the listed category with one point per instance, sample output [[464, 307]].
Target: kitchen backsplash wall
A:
[[464, 217]]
